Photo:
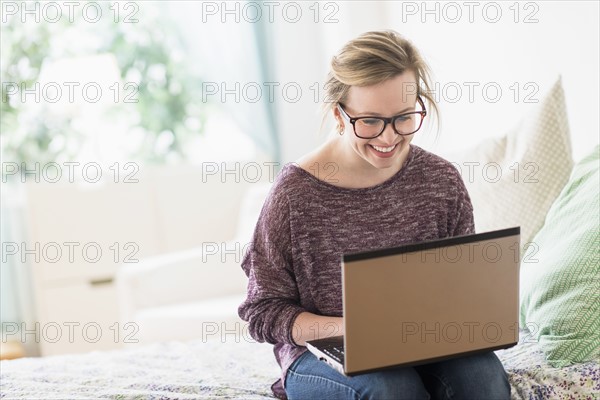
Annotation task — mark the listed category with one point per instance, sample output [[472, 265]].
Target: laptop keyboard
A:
[[334, 351]]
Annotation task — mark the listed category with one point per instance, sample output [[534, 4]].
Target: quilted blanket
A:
[[235, 369]]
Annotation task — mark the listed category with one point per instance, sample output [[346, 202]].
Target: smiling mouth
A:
[[384, 149]]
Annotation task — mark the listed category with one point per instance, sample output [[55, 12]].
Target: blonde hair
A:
[[371, 58]]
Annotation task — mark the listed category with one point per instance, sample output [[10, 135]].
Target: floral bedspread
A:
[[532, 378], [235, 369]]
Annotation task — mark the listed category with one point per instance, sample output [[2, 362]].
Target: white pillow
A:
[[513, 180]]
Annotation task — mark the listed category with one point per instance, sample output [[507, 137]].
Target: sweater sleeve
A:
[[272, 300]]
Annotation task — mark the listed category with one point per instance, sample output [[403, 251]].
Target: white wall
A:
[[564, 40]]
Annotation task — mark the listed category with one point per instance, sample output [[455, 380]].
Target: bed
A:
[[237, 369], [164, 296]]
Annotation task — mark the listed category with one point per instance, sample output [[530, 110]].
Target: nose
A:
[[388, 136]]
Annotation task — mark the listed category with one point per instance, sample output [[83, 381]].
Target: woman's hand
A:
[[309, 326]]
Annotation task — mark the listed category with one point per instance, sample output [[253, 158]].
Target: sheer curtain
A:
[[16, 303]]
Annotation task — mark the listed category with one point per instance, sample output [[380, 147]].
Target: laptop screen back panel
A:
[[430, 304]]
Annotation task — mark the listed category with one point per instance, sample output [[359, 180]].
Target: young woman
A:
[[367, 187]]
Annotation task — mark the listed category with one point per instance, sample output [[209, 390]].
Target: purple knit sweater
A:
[[293, 262]]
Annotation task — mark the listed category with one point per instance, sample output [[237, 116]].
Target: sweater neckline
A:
[[367, 189]]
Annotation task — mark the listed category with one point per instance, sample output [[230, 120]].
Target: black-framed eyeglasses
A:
[[371, 127]]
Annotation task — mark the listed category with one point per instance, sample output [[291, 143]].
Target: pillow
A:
[[512, 180], [560, 280]]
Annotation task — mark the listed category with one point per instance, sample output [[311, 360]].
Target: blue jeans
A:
[[479, 376]]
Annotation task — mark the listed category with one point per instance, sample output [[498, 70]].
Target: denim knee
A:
[[398, 383], [479, 376], [310, 378]]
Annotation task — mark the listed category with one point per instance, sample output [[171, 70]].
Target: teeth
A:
[[384, 149]]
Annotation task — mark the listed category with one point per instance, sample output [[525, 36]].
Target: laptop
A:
[[426, 302]]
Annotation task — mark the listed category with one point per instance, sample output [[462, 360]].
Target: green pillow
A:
[[560, 272]]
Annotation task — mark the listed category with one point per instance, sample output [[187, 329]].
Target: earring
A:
[[340, 129]]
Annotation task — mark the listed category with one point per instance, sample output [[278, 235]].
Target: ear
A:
[[337, 115], [335, 111]]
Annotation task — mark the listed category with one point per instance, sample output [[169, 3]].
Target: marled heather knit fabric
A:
[[293, 262]]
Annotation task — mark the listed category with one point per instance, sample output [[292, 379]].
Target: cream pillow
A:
[[515, 178]]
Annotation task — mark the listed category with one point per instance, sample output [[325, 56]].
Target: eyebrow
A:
[[375, 114]]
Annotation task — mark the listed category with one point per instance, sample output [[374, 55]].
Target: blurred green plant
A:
[[167, 111]]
